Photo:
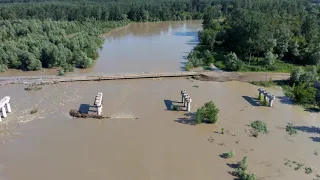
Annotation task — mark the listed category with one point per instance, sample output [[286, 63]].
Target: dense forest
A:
[[33, 44], [66, 33], [259, 35]]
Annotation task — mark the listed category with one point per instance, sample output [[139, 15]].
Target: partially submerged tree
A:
[[207, 113]]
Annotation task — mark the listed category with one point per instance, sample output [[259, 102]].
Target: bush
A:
[[228, 155], [220, 65], [3, 68], [259, 126], [241, 170], [304, 94], [207, 113], [296, 74], [291, 130], [301, 76], [232, 62], [61, 72]]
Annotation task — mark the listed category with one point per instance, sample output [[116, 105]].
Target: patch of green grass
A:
[[195, 86]]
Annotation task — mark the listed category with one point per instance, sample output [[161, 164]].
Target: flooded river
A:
[[144, 139], [139, 47]]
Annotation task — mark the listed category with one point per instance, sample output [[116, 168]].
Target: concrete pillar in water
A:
[[183, 92], [4, 107], [265, 97], [98, 103], [4, 112], [99, 110], [271, 99], [189, 104], [260, 92], [185, 100], [8, 107]]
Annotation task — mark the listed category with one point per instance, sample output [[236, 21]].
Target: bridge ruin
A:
[[5, 107]]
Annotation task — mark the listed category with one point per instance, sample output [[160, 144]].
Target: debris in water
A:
[[77, 114]]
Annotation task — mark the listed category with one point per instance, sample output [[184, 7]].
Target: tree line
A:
[[33, 44], [66, 33], [257, 35], [134, 10]]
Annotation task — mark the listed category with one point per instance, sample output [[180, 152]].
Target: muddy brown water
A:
[[139, 47], [144, 139]]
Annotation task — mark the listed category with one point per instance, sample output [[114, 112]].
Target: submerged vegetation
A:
[[291, 130], [208, 113], [241, 170], [258, 127], [228, 155]]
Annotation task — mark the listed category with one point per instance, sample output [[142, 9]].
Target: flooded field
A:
[[144, 139]]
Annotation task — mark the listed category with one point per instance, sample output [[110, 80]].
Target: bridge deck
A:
[[72, 78]]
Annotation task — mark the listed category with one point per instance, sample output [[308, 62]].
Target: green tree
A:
[[270, 58], [232, 62], [207, 113], [304, 94]]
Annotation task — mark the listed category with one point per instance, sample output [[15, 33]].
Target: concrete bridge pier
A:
[[185, 100], [98, 103], [261, 91], [266, 95], [189, 104], [271, 99], [183, 92], [5, 107]]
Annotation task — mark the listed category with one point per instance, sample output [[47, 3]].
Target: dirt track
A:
[[218, 76], [244, 76]]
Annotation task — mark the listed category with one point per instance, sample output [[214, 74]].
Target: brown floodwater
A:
[[139, 47], [143, 139]]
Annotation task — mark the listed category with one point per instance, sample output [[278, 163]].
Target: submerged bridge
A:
[[72, 78]]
